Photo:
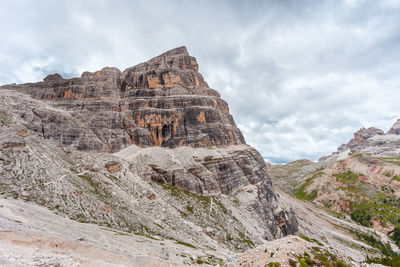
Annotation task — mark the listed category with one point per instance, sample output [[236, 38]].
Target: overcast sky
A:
[[299, 76]]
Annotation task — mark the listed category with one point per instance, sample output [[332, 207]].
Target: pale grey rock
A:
[[395, 129], [166, 128], [369, 141]]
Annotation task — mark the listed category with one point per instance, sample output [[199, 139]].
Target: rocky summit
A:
[[162, 102], [370, 141], [150, 151]]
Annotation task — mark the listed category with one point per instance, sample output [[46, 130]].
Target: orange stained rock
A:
[[223, 108], [205, 141], [169, 104], [22, 133], [181, 141], [153, 82], [139, 120], [231, 136], [201, 117], [106, 208], [196, 80], [157, 138], [194, 64], [176, 125], [69, 94], [97, 74], [172, 80], [113, 168]]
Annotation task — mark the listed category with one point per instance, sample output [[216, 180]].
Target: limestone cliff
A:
[[162, 102], [159, 107], [369, 141]]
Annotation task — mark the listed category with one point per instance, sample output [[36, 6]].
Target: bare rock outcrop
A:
[[164, 104], [395, 129], [369, 141]]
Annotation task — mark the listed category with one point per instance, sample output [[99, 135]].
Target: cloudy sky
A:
[[300, 76]]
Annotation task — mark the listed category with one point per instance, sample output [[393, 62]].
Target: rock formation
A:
[[162, 102], [370, 141], [395, 129], [163, 120]]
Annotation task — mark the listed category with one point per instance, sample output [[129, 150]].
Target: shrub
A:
[[292, 263], [303, 263], [274, 264], [362, 214]]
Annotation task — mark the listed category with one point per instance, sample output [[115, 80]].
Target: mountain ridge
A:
[[104, 150]]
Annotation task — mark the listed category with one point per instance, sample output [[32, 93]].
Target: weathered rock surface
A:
[[395, 129], [162, 102], [163, 124], [370, 141], [359, 183]]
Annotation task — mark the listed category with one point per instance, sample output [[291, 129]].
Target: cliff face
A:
[[370, 141], [163, 120], [395, 129], [162, 102]]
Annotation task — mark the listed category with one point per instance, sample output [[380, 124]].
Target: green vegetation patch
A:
[[300, 192], [5, 118], [211, 158], [185, 244], [348, 177], [274, 264], [306, 238], [319, 257], [396, 177], [210, 260], [383, 207], [389, 257]]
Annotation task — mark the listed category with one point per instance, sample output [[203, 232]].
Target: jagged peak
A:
[[395, 129], [174, 68], [170, 59], [53, 77], [368, 132], [175, 51]]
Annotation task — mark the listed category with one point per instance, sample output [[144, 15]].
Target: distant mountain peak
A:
[[370, 141], [395, 129]]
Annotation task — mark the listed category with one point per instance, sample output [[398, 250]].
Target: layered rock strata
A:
[[395, 129], [370, 141], [162, 103]]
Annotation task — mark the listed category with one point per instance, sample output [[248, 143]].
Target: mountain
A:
[[360, 183], [370, 141], [150, 151]]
